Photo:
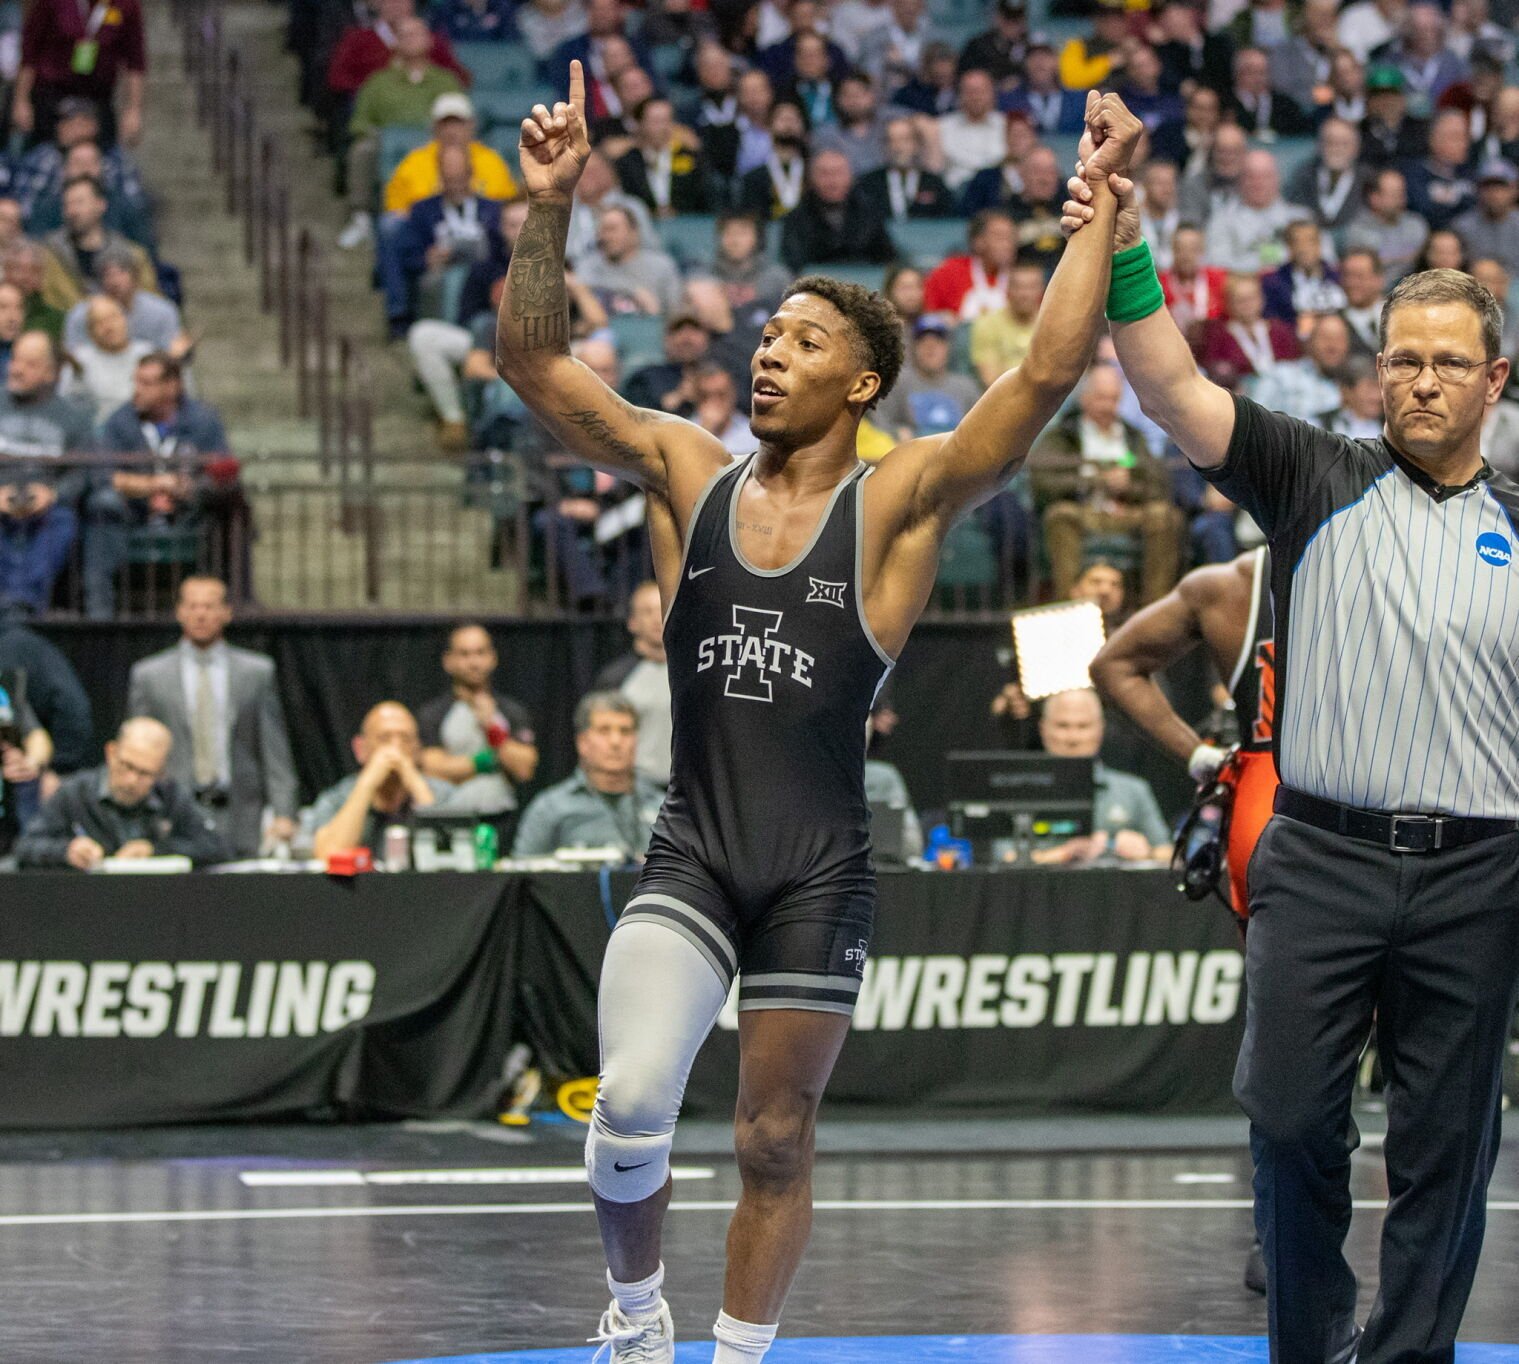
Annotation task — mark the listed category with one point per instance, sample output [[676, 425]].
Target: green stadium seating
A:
[[927, 241], [640, 339], [395, 144], [689, 237], [667, 61], [871, 276], [1290, 152], [497, 66]]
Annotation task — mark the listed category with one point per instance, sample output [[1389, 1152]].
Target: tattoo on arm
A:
[[537, 299], [604, 434]]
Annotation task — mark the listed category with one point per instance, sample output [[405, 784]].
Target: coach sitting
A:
[[388, 788], [126, 809], [607, 803]]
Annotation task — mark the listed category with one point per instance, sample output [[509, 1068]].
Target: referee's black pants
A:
[[1428, 944]]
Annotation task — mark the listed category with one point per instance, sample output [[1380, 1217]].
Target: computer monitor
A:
[[1021, 796]]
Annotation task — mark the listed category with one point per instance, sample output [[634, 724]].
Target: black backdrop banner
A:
[[145, 999], [1045, 991], [332, 671]]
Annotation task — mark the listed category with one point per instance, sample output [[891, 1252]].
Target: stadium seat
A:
[[667, 61], [689, 237], [871, 276], [395, 144], [640, 339], [1290, 153], [507, 108], [504, 140], [927, 241], [1064, 146], [497, 67]]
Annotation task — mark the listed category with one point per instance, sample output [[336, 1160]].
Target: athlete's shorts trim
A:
[[691, 924], [798, 990]]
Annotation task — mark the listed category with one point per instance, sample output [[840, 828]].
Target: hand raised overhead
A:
[[554, 145], [1111, 138]]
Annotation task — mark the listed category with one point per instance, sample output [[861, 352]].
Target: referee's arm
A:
[[1194, 411]]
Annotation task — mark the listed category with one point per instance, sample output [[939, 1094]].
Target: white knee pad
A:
[[626, 1169]]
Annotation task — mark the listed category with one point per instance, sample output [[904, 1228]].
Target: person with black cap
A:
[[1491, 229], [1002, 49]]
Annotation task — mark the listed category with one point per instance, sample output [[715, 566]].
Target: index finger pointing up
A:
[[577, 87]]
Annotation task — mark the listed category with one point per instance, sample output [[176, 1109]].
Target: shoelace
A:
[[617, 1331]]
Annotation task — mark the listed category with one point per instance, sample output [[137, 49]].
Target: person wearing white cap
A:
[[418, 176], [401, 94]]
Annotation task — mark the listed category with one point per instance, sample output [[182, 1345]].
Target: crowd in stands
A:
[[105, 456], [1301, 158]]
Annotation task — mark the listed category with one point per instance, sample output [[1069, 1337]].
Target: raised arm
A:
[[977, 459], [1194, 411], [533, 325]]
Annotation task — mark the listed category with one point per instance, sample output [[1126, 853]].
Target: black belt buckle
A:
[[1398, 823]]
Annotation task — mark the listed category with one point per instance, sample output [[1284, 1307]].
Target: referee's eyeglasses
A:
[[1449, 369]]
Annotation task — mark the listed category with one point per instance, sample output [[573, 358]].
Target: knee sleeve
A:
[[659, 1000], [625, 1169]]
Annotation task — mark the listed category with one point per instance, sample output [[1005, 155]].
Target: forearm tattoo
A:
[[536, 298], [600, 430]]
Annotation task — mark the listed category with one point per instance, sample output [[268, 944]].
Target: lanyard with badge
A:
[[87, 49]]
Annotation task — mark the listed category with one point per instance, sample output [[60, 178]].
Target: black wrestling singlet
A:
[[1253, 685], [772, 676]]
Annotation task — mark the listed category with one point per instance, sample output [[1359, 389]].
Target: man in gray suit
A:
[[221, 705]]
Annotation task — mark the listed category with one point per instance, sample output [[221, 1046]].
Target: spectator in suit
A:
[[401, 94], [805, 57], [606, 24], [1306, 286], [1332, 186], [1244, 344], [1362, 279], [389, 787], [1300, 65], [1429, 67], [730, 113], [150, 317], [1141, 89], [38, 521], [129, 808], [972, 137], [1189, 54], [1159, 217], [221, 704], [892, 52], [39, 668], [902, 184], [476, 739], [55, 66], [1347, 90], [1040, 97], [608, 802], [965, 286], [773, 189], [1204, 193], [1186, 142], [1390, 135], [996, 186], [932, 92], [663, 169], [191, 483], [1386, 226], [1003, 48], [1440, 186], [1194, 291], [1092, 473], [833, 222], [1255, 106], [72, 263], [456, 227]]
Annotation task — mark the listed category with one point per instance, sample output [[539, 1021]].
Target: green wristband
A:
[[485, 761], [1134, 291]]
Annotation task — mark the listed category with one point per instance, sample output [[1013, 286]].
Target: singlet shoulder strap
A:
[[1247, 649]]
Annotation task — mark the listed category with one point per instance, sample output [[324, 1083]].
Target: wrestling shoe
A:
[[622, 1342]]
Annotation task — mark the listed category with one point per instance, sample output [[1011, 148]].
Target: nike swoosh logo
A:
[[623, 1169], [697, 572]]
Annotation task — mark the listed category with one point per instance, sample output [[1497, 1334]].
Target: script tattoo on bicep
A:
[[605, 436], [535, 281]]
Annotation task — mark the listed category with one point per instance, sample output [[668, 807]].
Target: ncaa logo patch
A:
[[1494, 550]]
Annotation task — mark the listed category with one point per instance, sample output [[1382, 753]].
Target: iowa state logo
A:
[[752, 657]]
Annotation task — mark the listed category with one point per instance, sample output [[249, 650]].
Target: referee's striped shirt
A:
[[1397, 619]]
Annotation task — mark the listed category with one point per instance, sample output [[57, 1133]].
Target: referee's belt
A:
[[1395, 832]]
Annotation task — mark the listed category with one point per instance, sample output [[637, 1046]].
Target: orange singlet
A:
[[1252, 771]]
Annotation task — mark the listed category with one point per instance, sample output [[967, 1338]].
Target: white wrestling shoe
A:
[[624, 1343]]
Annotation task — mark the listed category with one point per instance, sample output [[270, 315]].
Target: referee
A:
[[1386, 886]]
